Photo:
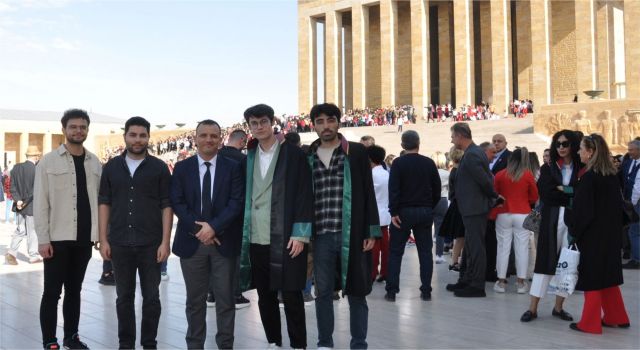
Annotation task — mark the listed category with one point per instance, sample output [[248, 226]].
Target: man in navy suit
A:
[[207, 196], [502, 153]]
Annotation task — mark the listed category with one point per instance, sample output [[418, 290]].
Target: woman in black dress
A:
[[452, 225]]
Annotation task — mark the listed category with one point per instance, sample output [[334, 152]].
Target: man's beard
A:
[[330, 137], [72, 141], [142, 151]]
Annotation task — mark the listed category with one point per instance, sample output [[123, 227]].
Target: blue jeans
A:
[[634, 237], [326, 261], [419, 220], [7, 211]]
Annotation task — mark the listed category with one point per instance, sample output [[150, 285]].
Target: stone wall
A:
[[374, 84], [617, 120], [403, 55]]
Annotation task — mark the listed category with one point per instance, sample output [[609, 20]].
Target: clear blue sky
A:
[[169, 61]]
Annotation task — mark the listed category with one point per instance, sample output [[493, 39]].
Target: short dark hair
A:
[[74, 114], [376, 154], [259, 111], [237, 134], [209, 122], [462, 129], [410, 140], [137, 121], [293, 137], [328, 109]]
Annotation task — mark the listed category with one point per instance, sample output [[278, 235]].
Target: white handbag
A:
[[566, 277]]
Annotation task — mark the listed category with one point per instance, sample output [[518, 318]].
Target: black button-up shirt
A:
[[136, 202]]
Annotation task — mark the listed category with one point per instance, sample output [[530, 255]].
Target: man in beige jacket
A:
[[66, 220]]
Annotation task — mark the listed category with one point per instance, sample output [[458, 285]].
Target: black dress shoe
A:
[[470, 292], [425, 296], [390, 297], [528, 316], [454, 267], [574, 326], [624, 325], [381, 278], [563, 315], [452, 287]]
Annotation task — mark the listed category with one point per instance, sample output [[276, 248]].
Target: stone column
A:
[[463, 41], [540, 55], [500, 55], [587, 65], [46, 143], [333, 58], [444, 52], [307, 64], [419, 56], [631, 48], [388, 38], [22, 150], [348, 68], [604, 49], [359, 37]]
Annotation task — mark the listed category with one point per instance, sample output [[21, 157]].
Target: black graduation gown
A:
[[596, 227], [291, 215]]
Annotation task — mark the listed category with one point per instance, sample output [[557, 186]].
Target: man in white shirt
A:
[[380, 176]]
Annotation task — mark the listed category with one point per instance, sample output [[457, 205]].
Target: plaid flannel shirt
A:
[[328, 184]]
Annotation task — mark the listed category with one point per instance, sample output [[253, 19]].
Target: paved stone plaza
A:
[[444, 322]]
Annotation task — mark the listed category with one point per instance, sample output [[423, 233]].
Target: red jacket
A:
[[519, 196]]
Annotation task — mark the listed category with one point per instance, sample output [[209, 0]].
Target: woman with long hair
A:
[[452, 225], [517, 185], [555, 186], [598, 212]]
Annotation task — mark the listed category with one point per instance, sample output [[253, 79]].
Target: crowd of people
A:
[[281, 217]]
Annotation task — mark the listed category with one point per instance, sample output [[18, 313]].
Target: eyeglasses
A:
[[263, 122], [563, 144]]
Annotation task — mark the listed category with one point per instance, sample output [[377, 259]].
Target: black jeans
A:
[[268, 302], [126, 261], [66, 267]]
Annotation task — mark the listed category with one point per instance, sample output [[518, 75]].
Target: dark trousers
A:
[[65, 268], [491, 247], [474, 253], [268, 302], [419, 220], [204, 266], [127, 261]]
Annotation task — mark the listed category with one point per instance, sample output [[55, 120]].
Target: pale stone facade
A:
[[380, 53]]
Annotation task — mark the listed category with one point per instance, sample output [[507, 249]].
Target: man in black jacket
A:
[[22, 181]]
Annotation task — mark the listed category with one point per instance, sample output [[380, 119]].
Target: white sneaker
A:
[[499, 287], [440, 260], [522, 287], [324, 348], [273, 346], [164, 276]]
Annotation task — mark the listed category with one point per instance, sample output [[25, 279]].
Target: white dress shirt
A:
[[266, 157], [381, 187], [203, 169]]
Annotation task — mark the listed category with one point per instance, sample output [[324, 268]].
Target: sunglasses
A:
[[563, 144]]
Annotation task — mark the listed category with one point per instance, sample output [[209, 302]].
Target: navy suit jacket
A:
[[228, 200], [501, 162]]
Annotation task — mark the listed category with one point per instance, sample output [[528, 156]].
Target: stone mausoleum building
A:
[[380, 53]]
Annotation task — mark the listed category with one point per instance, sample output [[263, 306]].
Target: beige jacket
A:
[[54, 197]]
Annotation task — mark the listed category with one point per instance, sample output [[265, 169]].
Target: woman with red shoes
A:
[[597, 214]]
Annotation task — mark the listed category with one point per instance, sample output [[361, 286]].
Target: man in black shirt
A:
[[66, 220], [134, 204], [414, 190]]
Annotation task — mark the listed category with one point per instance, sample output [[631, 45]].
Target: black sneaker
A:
[[452, 287], [211, 300], [390, 297], [242, 302], [107, 279], [74, 343], [425, 296], [54, 346]]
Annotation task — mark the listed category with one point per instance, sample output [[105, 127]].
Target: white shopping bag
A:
[[566, 277]]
